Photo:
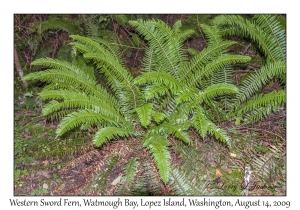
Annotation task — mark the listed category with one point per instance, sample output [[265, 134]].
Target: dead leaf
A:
[[232, 155], [219, 172], [117, 180], [46, 162], [45, 186]]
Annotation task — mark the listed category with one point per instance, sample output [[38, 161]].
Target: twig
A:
[[242, 128], [246, 49], [243, 71], [122, 45], [247, 179], [18, 67]]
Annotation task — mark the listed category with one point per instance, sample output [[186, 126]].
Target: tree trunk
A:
[[18, 67]]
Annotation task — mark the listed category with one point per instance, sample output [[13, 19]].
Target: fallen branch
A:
[[19, 68]]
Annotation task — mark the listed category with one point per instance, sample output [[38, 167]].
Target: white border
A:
[[153, 6]]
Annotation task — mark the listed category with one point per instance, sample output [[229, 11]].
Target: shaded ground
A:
[[80, 174]]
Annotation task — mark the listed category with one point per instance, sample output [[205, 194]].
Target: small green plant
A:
[[56, 178], [17, 174], [61, 187], [232, 183], [40, 191], [20, 147]]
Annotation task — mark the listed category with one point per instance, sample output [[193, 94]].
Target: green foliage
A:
[[34, 143], [144, 112], [264, 104], [233, 182], [130, 169], [57, 22], [194, 22], [108, 133], [265, 30], [40, 191], [266, 166], [254, 82], [146, 182], [159, 103], [269, 35], [268, 162], [181, 184]]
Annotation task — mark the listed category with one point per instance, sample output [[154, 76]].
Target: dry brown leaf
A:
[[219, 172], [232, 155]]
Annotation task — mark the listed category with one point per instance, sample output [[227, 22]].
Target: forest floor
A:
[[75, 174]]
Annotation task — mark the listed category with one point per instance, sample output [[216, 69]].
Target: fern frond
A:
[[179, 183], [220, 62], [154, 137], [271, 26], [176, 130], [175, 41], [82, 117], [156, 91], [91, 45], [117, 75], [79, 81], [130, 169], [259, 113], [149, 62], [130, 97], [272, 100], [187, 95], [64, 76], [265, 164], [158, 116], [183, 35], [61, 86], [218, 89], [212, 34], [267, 42], [113, 49], [200, 122], [158, 77], [56, 64], [147, 183], [160, 38], [84, 65], [112, 64], [101, 176], [201, 59], [80, 48], [56, 23], [161, 156], [79, 100], [107, 133], [222, 75], [144, 113], [209, 93], [159, 84], [255, 81], [58, 115], [49, 93], [219, 133], [74, 99], [50, 107]]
